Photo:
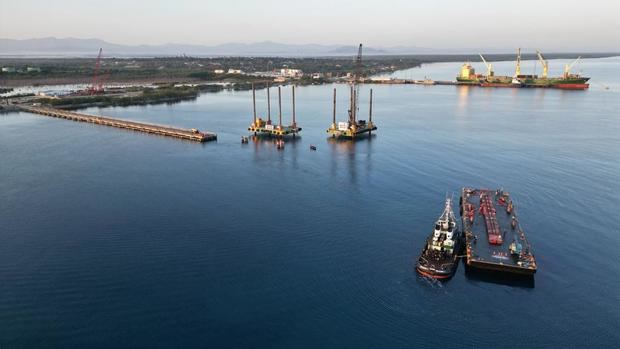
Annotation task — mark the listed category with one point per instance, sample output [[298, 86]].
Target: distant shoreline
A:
[[68, 71]]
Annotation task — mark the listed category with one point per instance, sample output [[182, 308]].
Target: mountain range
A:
[[88, 47]]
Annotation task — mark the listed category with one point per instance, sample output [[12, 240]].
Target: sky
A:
[[554, 25]]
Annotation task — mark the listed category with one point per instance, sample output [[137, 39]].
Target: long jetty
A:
[[192, 134]]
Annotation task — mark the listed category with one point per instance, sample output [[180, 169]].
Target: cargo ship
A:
[[491, 80], [568, 80], [494, 239], [440, 255], [468, 76]]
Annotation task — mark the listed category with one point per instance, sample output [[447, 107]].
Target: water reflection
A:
[[463, 97], [266, 146], [347, 154]]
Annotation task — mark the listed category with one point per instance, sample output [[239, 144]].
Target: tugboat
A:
[[439, 258]]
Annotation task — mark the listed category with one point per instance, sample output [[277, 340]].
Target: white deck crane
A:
[[489, 66], [544, 63], [568, 67], [518, 68]]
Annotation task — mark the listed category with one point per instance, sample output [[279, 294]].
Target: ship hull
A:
[[578, 83], [360, 131], [463, 81], [433, 274], [500, 84], [572, 86], [442, 268], [496, 267]]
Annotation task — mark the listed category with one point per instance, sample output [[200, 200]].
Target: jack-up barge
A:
[[260, 127], [352, 128]]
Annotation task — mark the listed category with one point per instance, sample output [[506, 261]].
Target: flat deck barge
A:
[[192, 135], [494, 239]]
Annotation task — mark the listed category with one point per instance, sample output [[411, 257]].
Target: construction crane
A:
[[489, 66], [544, 64], [96, 84], [358, 64], [518, 69], [357, 77], [568, 67]]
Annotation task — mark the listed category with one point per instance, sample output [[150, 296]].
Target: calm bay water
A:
[[110, 238]]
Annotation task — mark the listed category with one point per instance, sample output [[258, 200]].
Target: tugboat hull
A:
[[442, 269], [434, 274]]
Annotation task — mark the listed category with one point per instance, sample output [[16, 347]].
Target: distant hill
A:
[[63, 47], [81, 47]]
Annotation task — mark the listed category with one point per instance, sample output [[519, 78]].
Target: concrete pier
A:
[[191, 134]]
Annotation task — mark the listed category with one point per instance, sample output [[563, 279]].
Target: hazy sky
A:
[[548, 24]]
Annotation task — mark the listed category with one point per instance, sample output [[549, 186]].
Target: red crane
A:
[[96, 85]]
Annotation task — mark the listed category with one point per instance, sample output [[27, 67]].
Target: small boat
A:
[[439, 257], [244, 140], [312, 147], [428, 81]]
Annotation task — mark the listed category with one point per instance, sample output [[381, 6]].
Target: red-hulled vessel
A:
[[572, 86]]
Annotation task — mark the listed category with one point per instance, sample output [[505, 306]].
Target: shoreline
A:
[[190, 70], [125, 97]]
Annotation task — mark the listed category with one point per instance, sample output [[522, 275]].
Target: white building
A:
[[291, 73], [235, 71], [219, 71]]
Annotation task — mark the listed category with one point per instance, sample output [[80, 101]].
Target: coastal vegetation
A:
[[163, 93], [133, 96], [185, 69]]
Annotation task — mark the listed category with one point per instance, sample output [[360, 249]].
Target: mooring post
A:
[[254, 103], [354, 112], [294, 122], [280, 107], [334, 112], [268, 106], [370, 111], [351, 106]]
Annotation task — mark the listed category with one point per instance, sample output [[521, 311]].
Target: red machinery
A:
[[96, 86]]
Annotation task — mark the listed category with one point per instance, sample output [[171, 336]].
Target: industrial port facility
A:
[[489, 236]]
